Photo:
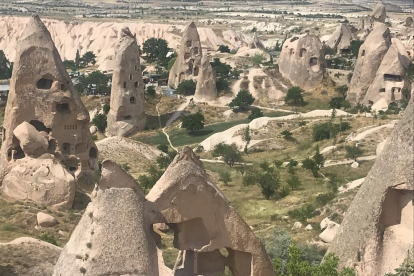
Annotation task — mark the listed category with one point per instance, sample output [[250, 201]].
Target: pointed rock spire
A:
[[379, 12], [206, 89], [341, 39], [126, 115]]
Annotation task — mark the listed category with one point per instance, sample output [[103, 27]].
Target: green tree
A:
[[224, 49], [257, 59], [230, 153], [336, 102], [255, 113], [353, 152], [126, 167], [294, 182], [225, 177], [318, 158], [246, 137], [333, 182], [186, 87], [155, 49], [171, 63], [88, 59], [163, 147], [287, 134], [6, 67], [242, 100], [278, 163], [77, 59], [193, 122], [151, 91], [342, 90], [70, 64], [268, 180], [294, 96], [100, 122], [148, 181], [97, 78], [355, 46]]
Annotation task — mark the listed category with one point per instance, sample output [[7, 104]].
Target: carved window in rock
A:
[[190, 66], [136, 67], [132, 100], [70, 127], [291, 51], [363, 53], [136, 84], [393, 78], [62, 107], [396, 90], [370, 102], [71, 164], [39, 126], [130, 77], [195, 50], [93, 153], [124, 84], [189, 43], [382, 90], [128, 117], [196, 70], [65, 149], [15, 153], [302, 52], [44, 84], [313, 61], [52, 145], [63, 87], [294, 39]]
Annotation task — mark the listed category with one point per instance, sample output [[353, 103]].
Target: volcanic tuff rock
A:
[[38, 257], [341, 39], [302, 61], [204, 222], [113, 237], [369, 60], [391, 79], [254, 42], [379, 13], [187, 64], [377, 231], [126, 115], [206, 82], [31, 141]]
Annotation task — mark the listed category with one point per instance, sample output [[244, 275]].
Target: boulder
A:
[[355, 165], [379, 12], [93, 130], [28, 256], [330, 231], [309, 227], [376, 232], [324, 223], [114, 176], [302, 61], [126, 115], [31, 141], [297, 225], [44, 181], [45, 220], [369, 60], [206, 82]]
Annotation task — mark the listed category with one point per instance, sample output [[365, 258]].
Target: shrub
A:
[[268, 180], [151, 91], [257, 59], [287, 134], [126, 167], [186, 87], [353, 152], [302, 213], [48, 237], [336, 102], [284, 192], [294, 182], [163, 148], [294, 96], [323, 199], [255, 113], [100, 121], [225, 177], [230, 153], [106, 107], [224, 49]]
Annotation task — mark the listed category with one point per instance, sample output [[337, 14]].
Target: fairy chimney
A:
[[126, 115], [206, 89], [341, 39], [204, 223], [188, 62], [302, 61], [369, 60], [44, 117], [376, 234]]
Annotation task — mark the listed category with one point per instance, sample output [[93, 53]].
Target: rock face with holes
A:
[[302, 61], [341, 39], [188, 62], [206, 82], [42, 96], [391, 82], [126, 115], [377, 231], [369, 60], [114, 236], [204, 223]]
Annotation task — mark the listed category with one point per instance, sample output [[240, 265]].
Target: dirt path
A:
[[330, 163], [364, 134]]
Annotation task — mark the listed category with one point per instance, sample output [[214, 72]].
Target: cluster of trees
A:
[[294, 97], [224, 72], [86, 60], [193, 122], [243, 99], [6, 67], [95, 78], [156, 50], [187, 87], [223, 49]]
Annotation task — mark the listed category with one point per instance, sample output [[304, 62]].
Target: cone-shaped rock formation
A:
[[187, 64], [390, 80], [204, 223], [126, 115], [377, 232], [369, 60], [379, 12], [44, 114], [341, 39], [302, 61], [206, 82]]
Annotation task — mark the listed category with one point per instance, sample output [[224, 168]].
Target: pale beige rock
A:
[[31, 141], [45, 220], [188, 62], [302, 61], [42, 94], [391, 79], [341, 39], [254, 42], [28, 256], [93, 130], [126, 115], [204, 222], [369, 60], [355, 165], [379, 13], [42, 180], [324, 223], [206, 82], [377, 230], [330, 231], [113, 176], [297, 225], [309, 227]]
